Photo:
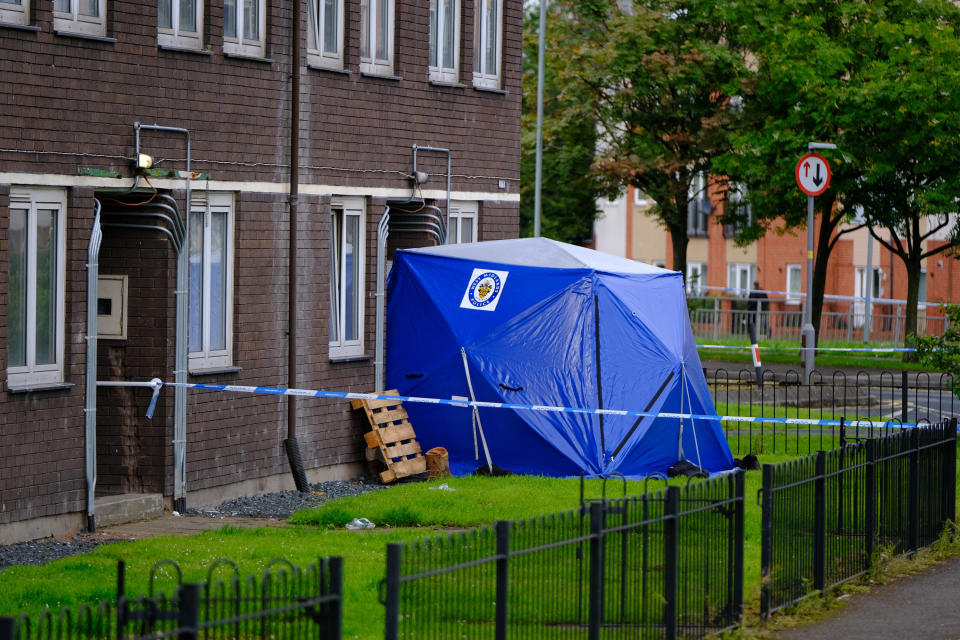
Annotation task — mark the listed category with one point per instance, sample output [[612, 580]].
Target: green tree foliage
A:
[[570, 190], [943, 352], [876, 78], [656, 77]]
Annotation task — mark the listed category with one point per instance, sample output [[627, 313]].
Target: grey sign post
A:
[[813, 178]]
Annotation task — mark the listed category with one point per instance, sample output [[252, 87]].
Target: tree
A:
[[656, 78], [570, 190], [943, 352], [877, 79]]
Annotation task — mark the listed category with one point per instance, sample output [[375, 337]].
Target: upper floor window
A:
[[739, 207], [444, 43], [486, 43], [37, 254], [243, 27], [325, 33], [698, 205], [80, 16], [15, 11], [462, 223], [376, 37], [211, 282], [180, 23], [347, 267], [639, 198]]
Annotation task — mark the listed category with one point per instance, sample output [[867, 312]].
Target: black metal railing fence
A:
[[665, 564], [825, 515], [862, 400], [285, 603]]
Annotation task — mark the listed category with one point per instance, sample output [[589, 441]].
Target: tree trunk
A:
[[913, 299], [827, 227], [679, 238]]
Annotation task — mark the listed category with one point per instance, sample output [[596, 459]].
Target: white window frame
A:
[[240, 45], [699, 205], [17, 12], [639, 198], [207, 358], [794, 297], [316, 50], [370, 63], [696, 278], [734, 271], [73, 21], [460, 211], [438, 72], [32, 200], [175, 37], [736, 193], [482, 76], [340, 347]]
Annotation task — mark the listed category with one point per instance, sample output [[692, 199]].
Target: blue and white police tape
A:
[[345, 395], [845, 349]]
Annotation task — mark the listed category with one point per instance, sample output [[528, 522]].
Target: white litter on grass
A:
[[442, 487], [359, 523], [176, 513]]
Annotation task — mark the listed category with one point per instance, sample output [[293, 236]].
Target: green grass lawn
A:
[[787, 352]]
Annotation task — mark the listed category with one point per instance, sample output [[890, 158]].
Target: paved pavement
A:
[[920, 607], [169, 524]]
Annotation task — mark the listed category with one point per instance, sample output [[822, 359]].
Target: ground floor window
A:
[[696, 278], [211, 282], [347, 266], [36, 271], [462, 223]]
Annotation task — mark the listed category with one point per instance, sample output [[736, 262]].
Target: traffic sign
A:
[[813, 174]]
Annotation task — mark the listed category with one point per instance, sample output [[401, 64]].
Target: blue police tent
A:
[[539, 322]]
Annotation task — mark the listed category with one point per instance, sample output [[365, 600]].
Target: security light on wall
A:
[[144, 161]]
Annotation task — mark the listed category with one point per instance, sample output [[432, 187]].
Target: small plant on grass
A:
[[943, 352]]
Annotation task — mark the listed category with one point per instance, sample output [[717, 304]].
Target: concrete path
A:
[[921, 607], [169, 524]]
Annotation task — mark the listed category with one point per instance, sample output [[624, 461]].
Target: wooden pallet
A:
[[391, 438]]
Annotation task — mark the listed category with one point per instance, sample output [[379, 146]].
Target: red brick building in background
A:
[[76, 77], [777, 261]]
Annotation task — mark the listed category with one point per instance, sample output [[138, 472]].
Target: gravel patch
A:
[[272, 505]]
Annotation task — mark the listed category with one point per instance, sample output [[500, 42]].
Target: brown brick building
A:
[[381, 82]]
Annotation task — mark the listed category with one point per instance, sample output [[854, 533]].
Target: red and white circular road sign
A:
[[813, 174]]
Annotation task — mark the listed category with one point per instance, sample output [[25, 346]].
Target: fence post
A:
[[950, 473], [596, 570], [904, 392], [334, 627], [766, 539], [7, 628], [392, 582], [672, 508], [121, 599], [738, 538], [503, 578], [820, 522], [913, 501], [716, 318], [189, 619], [869, 490]]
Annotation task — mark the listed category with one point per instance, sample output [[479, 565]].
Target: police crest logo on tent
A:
[[484, 289]]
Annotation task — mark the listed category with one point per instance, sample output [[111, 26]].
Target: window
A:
[[180, 23], [325, 33], [698, 206], [486, 44], [794, 284], [347, 268], [376, 37], [462, 223], [15, 11], [80, 16], [639, 198], [37, 254], [243, 27], [740, 278], [211, 282], [444, 43], [696, 278], [739, 207]]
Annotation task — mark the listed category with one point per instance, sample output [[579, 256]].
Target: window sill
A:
[[19, 27], [83, 36], [450, 85], [502, 92], [169, 47], [380, 76], [246, 56], [49, 386], [339, 359], [214, 371], [320, 67]]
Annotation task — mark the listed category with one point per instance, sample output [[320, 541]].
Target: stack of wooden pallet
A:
[[391, 439]]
